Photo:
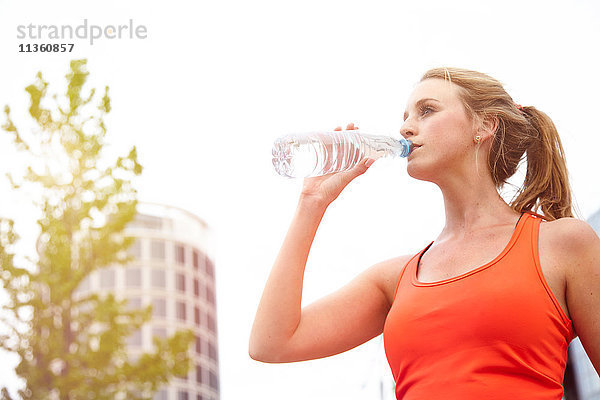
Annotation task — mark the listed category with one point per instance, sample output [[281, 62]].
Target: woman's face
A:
[[438, 124]]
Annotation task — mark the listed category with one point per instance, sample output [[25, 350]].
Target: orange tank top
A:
[[496, 332]]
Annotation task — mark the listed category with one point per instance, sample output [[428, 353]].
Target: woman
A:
[[487, 310]]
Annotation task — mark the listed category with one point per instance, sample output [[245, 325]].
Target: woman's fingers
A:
[[349, 127], [348, 176]]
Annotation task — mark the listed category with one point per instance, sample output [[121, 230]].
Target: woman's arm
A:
[[582, 245], [285, 332], [282, 330]]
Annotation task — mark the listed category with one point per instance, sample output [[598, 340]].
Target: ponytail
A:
[[546, 186]]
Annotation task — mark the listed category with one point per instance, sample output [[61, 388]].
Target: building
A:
[[174, 272], [584, 381]]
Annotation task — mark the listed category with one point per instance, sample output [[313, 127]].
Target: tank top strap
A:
[[535, 223], [409, 267], [526, 229], [527, 237], [526, 250]]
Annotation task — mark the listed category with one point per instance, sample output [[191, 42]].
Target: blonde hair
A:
[[520, 130]]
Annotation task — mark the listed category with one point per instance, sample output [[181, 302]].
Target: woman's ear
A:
[[488, 127]]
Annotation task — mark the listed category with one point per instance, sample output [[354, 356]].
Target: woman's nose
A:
[[407, 130]]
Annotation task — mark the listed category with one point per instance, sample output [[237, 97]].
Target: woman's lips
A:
[[415, 147]]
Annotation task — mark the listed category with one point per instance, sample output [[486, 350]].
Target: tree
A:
[[73, 346]]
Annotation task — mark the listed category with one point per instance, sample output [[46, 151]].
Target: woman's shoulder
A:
[[569, 234], [569, 240], [387, 273]]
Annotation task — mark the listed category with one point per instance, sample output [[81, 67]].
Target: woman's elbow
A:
[[265, 354], [263, 357]]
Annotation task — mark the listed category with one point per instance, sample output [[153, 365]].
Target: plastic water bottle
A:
[[320, 153]]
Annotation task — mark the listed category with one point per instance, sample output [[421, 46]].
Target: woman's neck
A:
[[473, 205]]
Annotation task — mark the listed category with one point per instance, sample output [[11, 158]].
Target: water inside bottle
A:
[[321, 153], [316, 154], [293, 158]]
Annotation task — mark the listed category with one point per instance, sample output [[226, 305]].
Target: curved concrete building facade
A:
[[174, 272]]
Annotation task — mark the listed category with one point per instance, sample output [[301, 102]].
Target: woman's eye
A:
[[426, 110]]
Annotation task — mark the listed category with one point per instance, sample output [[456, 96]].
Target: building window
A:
[[180, 310], [209, 268], [107, 278], [196, 288], [212, 351], [197, 316], [198, 373], [134, 303], [213, 381], [212, 326], [157, 249], [133, 277], [180, 254], [183, 395], [135, 339], [180, 282], [210, 295], [159, 308], [198, 345], [195, 259], [159, 279], [160, 332], [135, 250]]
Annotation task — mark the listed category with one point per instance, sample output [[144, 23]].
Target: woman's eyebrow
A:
[[418, 103]]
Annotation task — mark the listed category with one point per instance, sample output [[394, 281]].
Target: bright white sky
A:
[[215, 82]]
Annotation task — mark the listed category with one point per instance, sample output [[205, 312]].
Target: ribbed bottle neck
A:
[[391, 146]]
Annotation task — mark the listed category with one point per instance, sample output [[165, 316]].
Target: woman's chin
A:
[[420, 172], [414, 170]]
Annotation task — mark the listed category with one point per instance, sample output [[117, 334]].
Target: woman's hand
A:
[[325, 189]]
